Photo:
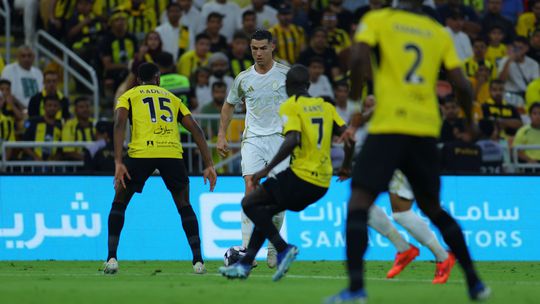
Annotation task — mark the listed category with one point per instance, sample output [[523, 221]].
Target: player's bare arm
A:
[[344, 171], [227, 111], [292, 139], [209, 173], [120, 170]]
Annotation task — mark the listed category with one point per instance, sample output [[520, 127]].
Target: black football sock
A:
[[191, 228], [357, 242], [115, 223], [262, 219], [453, 236], [255, 243]]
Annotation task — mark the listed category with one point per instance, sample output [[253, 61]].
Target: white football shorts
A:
[[258, 151], [400, 185]]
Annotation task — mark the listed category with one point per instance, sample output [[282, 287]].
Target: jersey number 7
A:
[[318, 121]]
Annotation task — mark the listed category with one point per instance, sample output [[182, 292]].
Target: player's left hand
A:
[[120, 172], [256, 178], [344, 173], [210, 174]]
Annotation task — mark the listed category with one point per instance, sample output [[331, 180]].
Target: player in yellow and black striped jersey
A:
[[410, 49], [308, 125], [154, 114]]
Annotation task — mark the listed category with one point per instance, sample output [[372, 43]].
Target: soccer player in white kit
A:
[[262, 88]]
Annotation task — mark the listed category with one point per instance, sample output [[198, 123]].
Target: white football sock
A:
[[246, 225], [419, 230], [378, 220]]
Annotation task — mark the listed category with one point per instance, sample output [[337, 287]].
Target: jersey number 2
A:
[[162, 106], [318, 121], [411, 76]]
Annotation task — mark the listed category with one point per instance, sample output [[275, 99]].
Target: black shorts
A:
[[291, 192], [417, 157], [172, 171]]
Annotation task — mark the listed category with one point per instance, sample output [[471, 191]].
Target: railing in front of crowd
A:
[[5, 11], [520, 166], [68, 58], [194, 163]]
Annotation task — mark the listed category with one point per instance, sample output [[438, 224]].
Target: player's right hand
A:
[[210, 174], [120, 171], [222, 146], [344, 173]]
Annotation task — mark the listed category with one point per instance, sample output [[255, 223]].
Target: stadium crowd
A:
[[201, 46]]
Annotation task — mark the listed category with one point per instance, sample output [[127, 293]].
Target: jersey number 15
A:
[[163, 106]]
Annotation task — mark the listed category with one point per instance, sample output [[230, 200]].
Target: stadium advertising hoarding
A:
[[65, 218]]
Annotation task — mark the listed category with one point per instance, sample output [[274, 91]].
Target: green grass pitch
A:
[[48, 282]]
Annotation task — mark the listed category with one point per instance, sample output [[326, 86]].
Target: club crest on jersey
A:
[[275, 85]]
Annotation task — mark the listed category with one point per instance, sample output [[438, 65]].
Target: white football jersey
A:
[[262, 94]]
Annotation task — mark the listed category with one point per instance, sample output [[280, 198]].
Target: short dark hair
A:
[[522, 39], [298, 75], [81, 99], [164, 60], [105, 127], [50, 72], [496, 81], [51, 97], [318, 29], [341, 83], [262, 35], [240, 35], [201, 36], [214, 15], [5, 81], [316, 59], [480, 39], [218, 84], [147, 71], [486, 126], [173, 4], [534, 105], [248, 13]]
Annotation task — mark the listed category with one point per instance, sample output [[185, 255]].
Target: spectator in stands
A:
[[266, 15], [25, 79], [231, 12], [319, 84], [249, 22], [172, 81], [44, 128], [454, 25], [461, 155], [175, 34], [99, 157], [344, 106], [338, 39], [492, 152], [201, 87], [211, 127], [532, 94], [7, 127], [218, 42], [530, 135], [141, 18], [12, 108], [505, 115], [198, 57], [239, 55], [117, 48], [219, 67], [512, 10], [78, 129], [190, 14], [480, 84], [149, 50], [517, 71], [496, 49], [300, 11], [527, 22], [36, 106], [452, 124], [290, 40], [318, 47], [84, 29], [108, 7], [534, 49], [345, 18], [493, 18], [30, 10], [451, 7], [479, 58]]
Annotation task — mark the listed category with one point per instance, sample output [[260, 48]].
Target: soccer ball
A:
[[233, 255]]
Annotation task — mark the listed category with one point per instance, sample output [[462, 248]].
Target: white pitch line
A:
[[291, 276]]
